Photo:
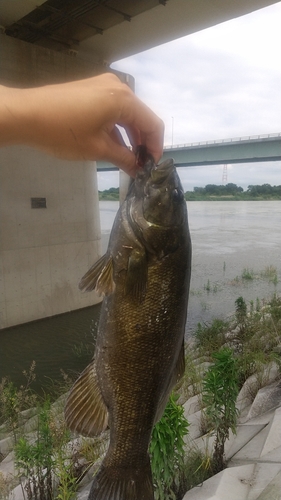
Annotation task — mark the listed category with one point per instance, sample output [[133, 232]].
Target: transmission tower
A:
[[224, 174]]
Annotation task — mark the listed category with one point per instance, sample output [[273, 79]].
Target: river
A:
[[236, 252]]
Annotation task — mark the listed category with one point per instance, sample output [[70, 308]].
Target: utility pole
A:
[[224, 174]]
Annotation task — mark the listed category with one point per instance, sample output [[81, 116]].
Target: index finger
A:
[[143, 126]]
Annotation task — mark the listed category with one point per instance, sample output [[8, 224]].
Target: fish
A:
[[139, 356]]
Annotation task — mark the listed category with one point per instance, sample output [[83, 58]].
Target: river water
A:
[[230, 240]]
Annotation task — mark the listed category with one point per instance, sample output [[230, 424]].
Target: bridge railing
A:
[[223, 141]]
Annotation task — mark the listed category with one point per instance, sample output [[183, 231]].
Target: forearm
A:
[[35, 117], [14, 116]]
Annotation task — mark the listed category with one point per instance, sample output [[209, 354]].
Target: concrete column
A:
[[124, 182], [44, 251]]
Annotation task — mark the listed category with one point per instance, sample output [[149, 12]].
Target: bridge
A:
[[248, 149]]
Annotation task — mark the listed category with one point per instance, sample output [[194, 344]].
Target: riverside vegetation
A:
[[50, 463], [213, 192]]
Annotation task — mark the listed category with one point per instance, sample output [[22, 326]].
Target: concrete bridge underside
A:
[[45, 251]]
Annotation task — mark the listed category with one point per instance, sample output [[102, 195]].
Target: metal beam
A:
[[250, 149]]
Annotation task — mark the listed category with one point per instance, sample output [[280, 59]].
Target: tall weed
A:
[[167, 451]]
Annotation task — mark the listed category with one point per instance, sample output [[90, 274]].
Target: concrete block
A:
[[192, 405], [7, 466], [230, 484], [250, 388], [273, 438], [252, 450], [17, 493], [6, 445], [194, 430], [263, 475], [244, 435], [273, 490], [267, 398]]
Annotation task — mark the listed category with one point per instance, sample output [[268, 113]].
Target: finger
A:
[[134, 135], [116, 136], [151, 128], [121, 156]]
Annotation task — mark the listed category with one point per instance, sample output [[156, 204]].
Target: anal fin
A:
[[85, 411]]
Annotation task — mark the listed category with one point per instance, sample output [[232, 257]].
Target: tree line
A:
[[230, 190], [210, 191]]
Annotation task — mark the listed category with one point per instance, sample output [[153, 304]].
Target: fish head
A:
[[157, 207], [164, 201]]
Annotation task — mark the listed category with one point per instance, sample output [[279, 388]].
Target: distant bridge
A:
[[248, 149]]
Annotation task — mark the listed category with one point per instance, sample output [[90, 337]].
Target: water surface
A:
[[227, 238]]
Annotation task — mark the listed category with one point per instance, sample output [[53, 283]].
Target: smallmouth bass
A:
[[139, 356]]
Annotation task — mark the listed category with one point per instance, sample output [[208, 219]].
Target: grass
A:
[[270, 273], [248, 274]]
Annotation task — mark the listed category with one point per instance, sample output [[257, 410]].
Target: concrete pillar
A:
[[44, 251], [124, 182]]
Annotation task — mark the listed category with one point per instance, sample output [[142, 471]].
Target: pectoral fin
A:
[[85, 411], [175, 378], [136, 280], [99, 277]]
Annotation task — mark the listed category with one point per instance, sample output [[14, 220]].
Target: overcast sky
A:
[[219, 83]]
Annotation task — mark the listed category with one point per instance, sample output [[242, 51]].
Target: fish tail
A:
[[116, 483]]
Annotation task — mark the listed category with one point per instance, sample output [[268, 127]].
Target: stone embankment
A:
[[253, 455]]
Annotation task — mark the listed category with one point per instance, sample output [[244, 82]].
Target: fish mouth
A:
[[161, 173]]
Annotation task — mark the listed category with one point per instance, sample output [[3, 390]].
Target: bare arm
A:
[[77, 120]]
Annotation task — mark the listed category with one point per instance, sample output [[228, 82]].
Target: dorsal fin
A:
[[85, 411]]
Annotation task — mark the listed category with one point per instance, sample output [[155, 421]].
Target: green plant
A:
[[211, 337], [191, 383], [46, 468], [198, 467], [220, 390], [7, 483], [34, 461], [247, 274], [240, 310], [167, 451], [93, 448], [270, 273], [14, 401]]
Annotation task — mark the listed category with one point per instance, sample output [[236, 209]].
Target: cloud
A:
[[221, 82], [218, 83]]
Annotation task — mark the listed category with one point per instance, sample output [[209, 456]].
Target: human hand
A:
[[77, 121]]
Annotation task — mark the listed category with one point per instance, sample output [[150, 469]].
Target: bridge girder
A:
[[241, 150]]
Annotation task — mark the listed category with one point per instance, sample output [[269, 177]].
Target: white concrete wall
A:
[[44, 252]]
